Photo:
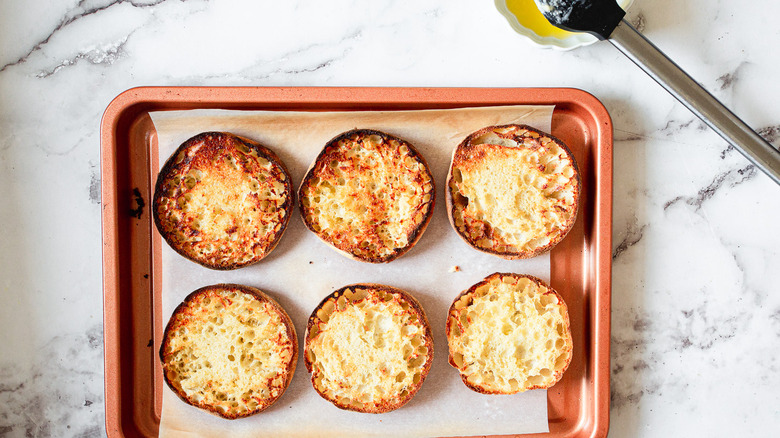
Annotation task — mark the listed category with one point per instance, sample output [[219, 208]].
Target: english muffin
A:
[[512, 191], [509, 333], [223, 201], [368, 348], [369, 195], [229, 349]]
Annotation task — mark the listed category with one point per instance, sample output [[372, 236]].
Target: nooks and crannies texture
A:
[[369, 195], [229, 351], [368, 348], [513, 191], [509, 333], [223, 201]]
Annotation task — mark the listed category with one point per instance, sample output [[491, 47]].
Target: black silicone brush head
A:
[[597, 17]]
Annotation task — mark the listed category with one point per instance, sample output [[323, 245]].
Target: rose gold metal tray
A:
[[578, 406]]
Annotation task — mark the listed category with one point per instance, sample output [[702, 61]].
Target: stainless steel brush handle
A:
[[647, 56]]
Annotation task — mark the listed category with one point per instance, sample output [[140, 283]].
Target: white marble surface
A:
[[696, 253]]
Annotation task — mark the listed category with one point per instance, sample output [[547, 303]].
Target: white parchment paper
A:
[[302, 270]]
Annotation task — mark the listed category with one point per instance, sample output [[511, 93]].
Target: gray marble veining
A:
[[696, 309]]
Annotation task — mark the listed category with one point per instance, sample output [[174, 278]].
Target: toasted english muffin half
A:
[[223, 201], [368, 348], [369, 195], [509, 333], [512, 191], [229, 349]]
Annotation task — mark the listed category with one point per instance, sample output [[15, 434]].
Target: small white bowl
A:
[[571, 42]]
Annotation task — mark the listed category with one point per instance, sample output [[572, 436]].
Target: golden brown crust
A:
[[458, 318], [223, 201], [192, 313], [368, 177], [549, 220], [421, 357]]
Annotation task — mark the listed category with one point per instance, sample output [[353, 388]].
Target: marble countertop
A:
[[696, 254]]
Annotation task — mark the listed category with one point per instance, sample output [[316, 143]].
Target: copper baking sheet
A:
[[578, 406]]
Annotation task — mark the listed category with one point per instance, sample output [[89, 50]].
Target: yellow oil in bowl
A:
[[530, 18]]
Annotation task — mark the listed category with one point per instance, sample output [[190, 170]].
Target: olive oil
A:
[[529, 17]]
